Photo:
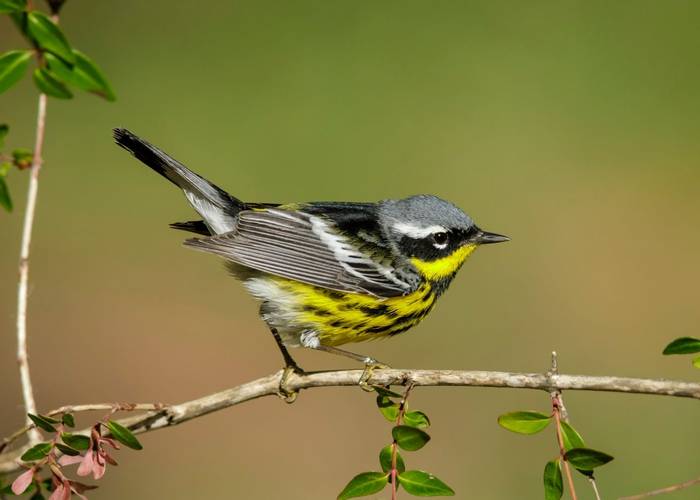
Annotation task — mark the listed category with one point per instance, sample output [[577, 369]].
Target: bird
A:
[[326, 273]]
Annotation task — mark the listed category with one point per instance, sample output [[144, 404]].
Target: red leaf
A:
[[98, 470], [80, 487], [111, 442], [87, 464], [69, 460], [23, 481], [61, 493]]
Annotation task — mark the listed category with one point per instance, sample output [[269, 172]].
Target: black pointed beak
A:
[[484, 238]]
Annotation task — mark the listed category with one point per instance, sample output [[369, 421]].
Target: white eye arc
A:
[[440, 240]]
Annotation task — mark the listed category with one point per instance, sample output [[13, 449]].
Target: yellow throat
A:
[[445, 267]]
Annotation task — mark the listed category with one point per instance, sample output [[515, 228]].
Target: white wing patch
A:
[[214, 217], [305, 248], [347, 255]]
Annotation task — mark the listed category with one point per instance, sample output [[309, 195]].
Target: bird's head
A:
[[435, 235]]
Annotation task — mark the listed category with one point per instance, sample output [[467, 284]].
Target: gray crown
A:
[[424, 210]]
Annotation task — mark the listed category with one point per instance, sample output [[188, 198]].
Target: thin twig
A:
[[562, 451], [559, 414], [394, 444], [564, 414], [662, 491], [594, 485], [269, 386], [23, 286]]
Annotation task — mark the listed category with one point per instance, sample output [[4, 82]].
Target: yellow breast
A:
[[340, 318]]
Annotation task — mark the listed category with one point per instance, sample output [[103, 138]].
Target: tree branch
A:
[[23, 285], [269, 386], [663, 491]]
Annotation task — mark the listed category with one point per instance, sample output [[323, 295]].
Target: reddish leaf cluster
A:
[[96, 457], [93, 462]]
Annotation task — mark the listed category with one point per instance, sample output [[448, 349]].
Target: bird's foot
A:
[[370, 365], [283, 391]]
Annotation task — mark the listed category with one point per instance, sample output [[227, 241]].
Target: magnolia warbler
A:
[[327, 273]]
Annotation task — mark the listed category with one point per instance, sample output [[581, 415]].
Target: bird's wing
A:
[[303, 247]]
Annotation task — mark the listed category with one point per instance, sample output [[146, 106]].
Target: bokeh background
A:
[[570, 126]]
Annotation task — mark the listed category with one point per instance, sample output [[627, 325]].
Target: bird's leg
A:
[[290, 366], [371, 364], [288, 360]]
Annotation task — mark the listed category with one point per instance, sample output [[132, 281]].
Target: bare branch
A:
[[23, 285], [269, 386], [663, 491]]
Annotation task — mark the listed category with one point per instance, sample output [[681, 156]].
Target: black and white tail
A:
[[218, 208]]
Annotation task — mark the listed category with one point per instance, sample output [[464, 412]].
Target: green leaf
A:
[[36, 452], [586, 459], [77, 441], [37, 496], [416, 419], [67, 450], [7, 6], [385, 460], [67, 419], [366, 483], [13, 65], [683, 345], [22, 158], [388, 408], [84, 74], [48, 484], [553, 483], [409, 438], [91, 73], [42, 422], [49, 85], [5, 199], [424, 484], [49, 36], [524, 422], [123, 435], [696, 362], [383, 391], [572, 439]]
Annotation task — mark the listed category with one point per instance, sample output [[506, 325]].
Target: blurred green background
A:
[[570, 126]]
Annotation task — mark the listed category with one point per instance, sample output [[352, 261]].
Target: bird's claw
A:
[[370, 365], [286, 394]]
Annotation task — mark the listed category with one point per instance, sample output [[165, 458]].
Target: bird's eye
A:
[[440, 240]]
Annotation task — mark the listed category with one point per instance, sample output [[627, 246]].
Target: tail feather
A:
[[218, 208], [193, 226]]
